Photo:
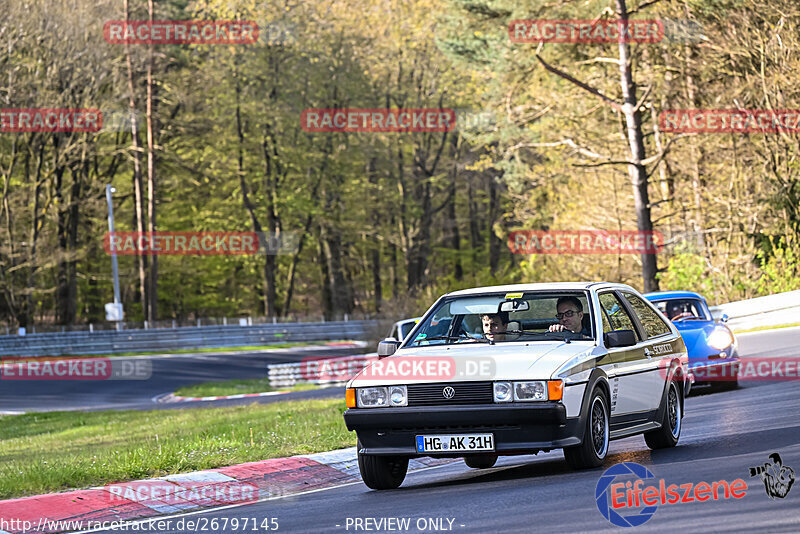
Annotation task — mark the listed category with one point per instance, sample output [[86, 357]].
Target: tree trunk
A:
[[138, 201], [636, 170], [152, 105]]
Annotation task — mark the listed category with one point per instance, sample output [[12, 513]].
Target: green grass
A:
[[49, 452], [236, 387], [767, 327]]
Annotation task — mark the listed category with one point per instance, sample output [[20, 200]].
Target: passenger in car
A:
[[676, 311], [495, 325], [569, 312]]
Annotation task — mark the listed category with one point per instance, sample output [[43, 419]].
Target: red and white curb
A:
[[142, 499]]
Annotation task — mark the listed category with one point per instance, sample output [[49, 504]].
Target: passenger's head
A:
[[569, 312], [494, 325]]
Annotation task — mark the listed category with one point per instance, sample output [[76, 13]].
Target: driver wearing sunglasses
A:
[[570, 316]]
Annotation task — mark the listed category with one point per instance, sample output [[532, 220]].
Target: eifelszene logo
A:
[[777, 478], [622, 489]]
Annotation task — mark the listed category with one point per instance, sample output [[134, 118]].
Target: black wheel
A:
[[670, 431], [382, 472], [481, 461], [594, 448]]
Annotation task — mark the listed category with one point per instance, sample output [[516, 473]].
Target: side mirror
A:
[[387, 347], [724, 318], [619, 338]]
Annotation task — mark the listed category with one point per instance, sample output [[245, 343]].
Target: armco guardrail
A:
[[330, 371], [114, 341], [772, 310]]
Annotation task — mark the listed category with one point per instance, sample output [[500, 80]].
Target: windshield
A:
[[683, 309], [503, 317]]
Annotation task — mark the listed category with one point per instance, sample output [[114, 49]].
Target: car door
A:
[[634, 372], [659, 342]]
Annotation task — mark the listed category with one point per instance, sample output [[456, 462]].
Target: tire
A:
[[481, 461], [382, 472], [670, 431], [592, 452]]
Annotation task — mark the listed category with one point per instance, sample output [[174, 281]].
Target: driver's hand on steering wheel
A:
[[682, 316], [557, 328]]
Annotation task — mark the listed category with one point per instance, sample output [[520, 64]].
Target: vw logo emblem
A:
[[448, 392]]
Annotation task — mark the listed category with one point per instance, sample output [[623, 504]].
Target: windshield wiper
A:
[[456, 338]]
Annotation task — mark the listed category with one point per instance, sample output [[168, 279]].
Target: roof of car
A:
[[658, 295], [546, 286]]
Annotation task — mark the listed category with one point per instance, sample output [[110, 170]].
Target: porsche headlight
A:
[[720, 338]]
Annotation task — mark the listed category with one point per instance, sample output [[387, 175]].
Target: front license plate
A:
[[455, 442]]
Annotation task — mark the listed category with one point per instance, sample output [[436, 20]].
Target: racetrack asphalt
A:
[[169, 372], [724, 434]]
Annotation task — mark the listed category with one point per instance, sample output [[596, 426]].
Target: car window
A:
[[653, 325], [405, 328], [617, 315], [530, 322], [682, 308]]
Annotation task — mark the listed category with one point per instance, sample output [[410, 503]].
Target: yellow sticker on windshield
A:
[[510, 296]]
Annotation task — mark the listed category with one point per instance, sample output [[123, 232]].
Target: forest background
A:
[[208, 138]]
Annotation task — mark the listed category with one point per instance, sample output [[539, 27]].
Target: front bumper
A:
[[518, 428], [716, 370]]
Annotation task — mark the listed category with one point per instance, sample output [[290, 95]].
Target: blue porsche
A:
[[712, 347]]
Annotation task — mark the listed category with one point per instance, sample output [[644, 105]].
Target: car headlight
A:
[[382, 396], [374, 397], [503, 392], [530, 391], [398, 396], [720, 338]]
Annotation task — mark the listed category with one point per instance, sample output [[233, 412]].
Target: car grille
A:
[[465, 393]]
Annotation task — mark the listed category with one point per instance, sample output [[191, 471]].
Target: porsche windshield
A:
[[502, 317]]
